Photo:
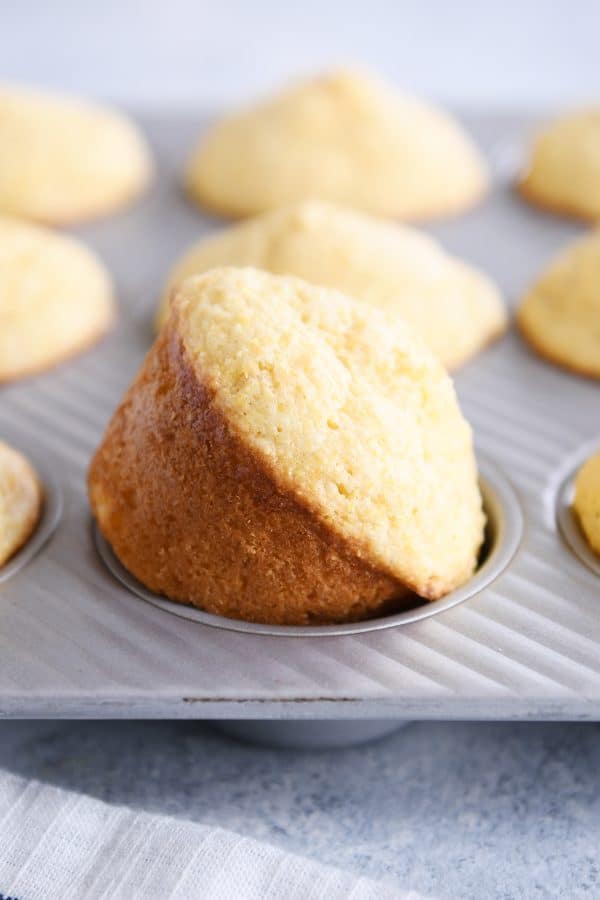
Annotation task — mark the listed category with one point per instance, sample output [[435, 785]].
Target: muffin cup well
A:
[[503, 534]]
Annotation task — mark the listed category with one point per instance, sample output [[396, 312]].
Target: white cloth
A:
[[57, 844]]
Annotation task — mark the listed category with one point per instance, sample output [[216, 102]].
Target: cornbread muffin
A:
[[288, 455], [456, 309], [64, 160], [587, 500], [563, 172], [560, 315], [346, 137], [20, 501], [55, 298]]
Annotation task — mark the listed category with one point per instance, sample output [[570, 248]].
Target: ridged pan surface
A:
[[75, 642]]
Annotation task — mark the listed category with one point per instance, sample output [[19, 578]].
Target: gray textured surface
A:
[[465, 812], [73, 642]]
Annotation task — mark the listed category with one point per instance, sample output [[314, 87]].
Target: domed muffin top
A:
[[56, 298], [560, 314], [345, 136], [455, 308], [563, 171], [63, 159]]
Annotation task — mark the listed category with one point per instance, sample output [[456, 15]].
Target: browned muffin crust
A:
[[193, 513]]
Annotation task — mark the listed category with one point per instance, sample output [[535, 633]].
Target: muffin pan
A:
[[526, 644]]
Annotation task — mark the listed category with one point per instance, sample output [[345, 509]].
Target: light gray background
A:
[[190, 53], [459, 811]]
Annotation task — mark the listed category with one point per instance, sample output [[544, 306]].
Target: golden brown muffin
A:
[[63, 160], [20, 501], [560, 314], [344, 137], [587, 500], [456, 309], [288, 455], [563, 172], [55, 298]]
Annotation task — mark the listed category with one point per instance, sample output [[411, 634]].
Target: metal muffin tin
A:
[[525, 644]]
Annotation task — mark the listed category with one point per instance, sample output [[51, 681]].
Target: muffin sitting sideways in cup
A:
[[288, 455]]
